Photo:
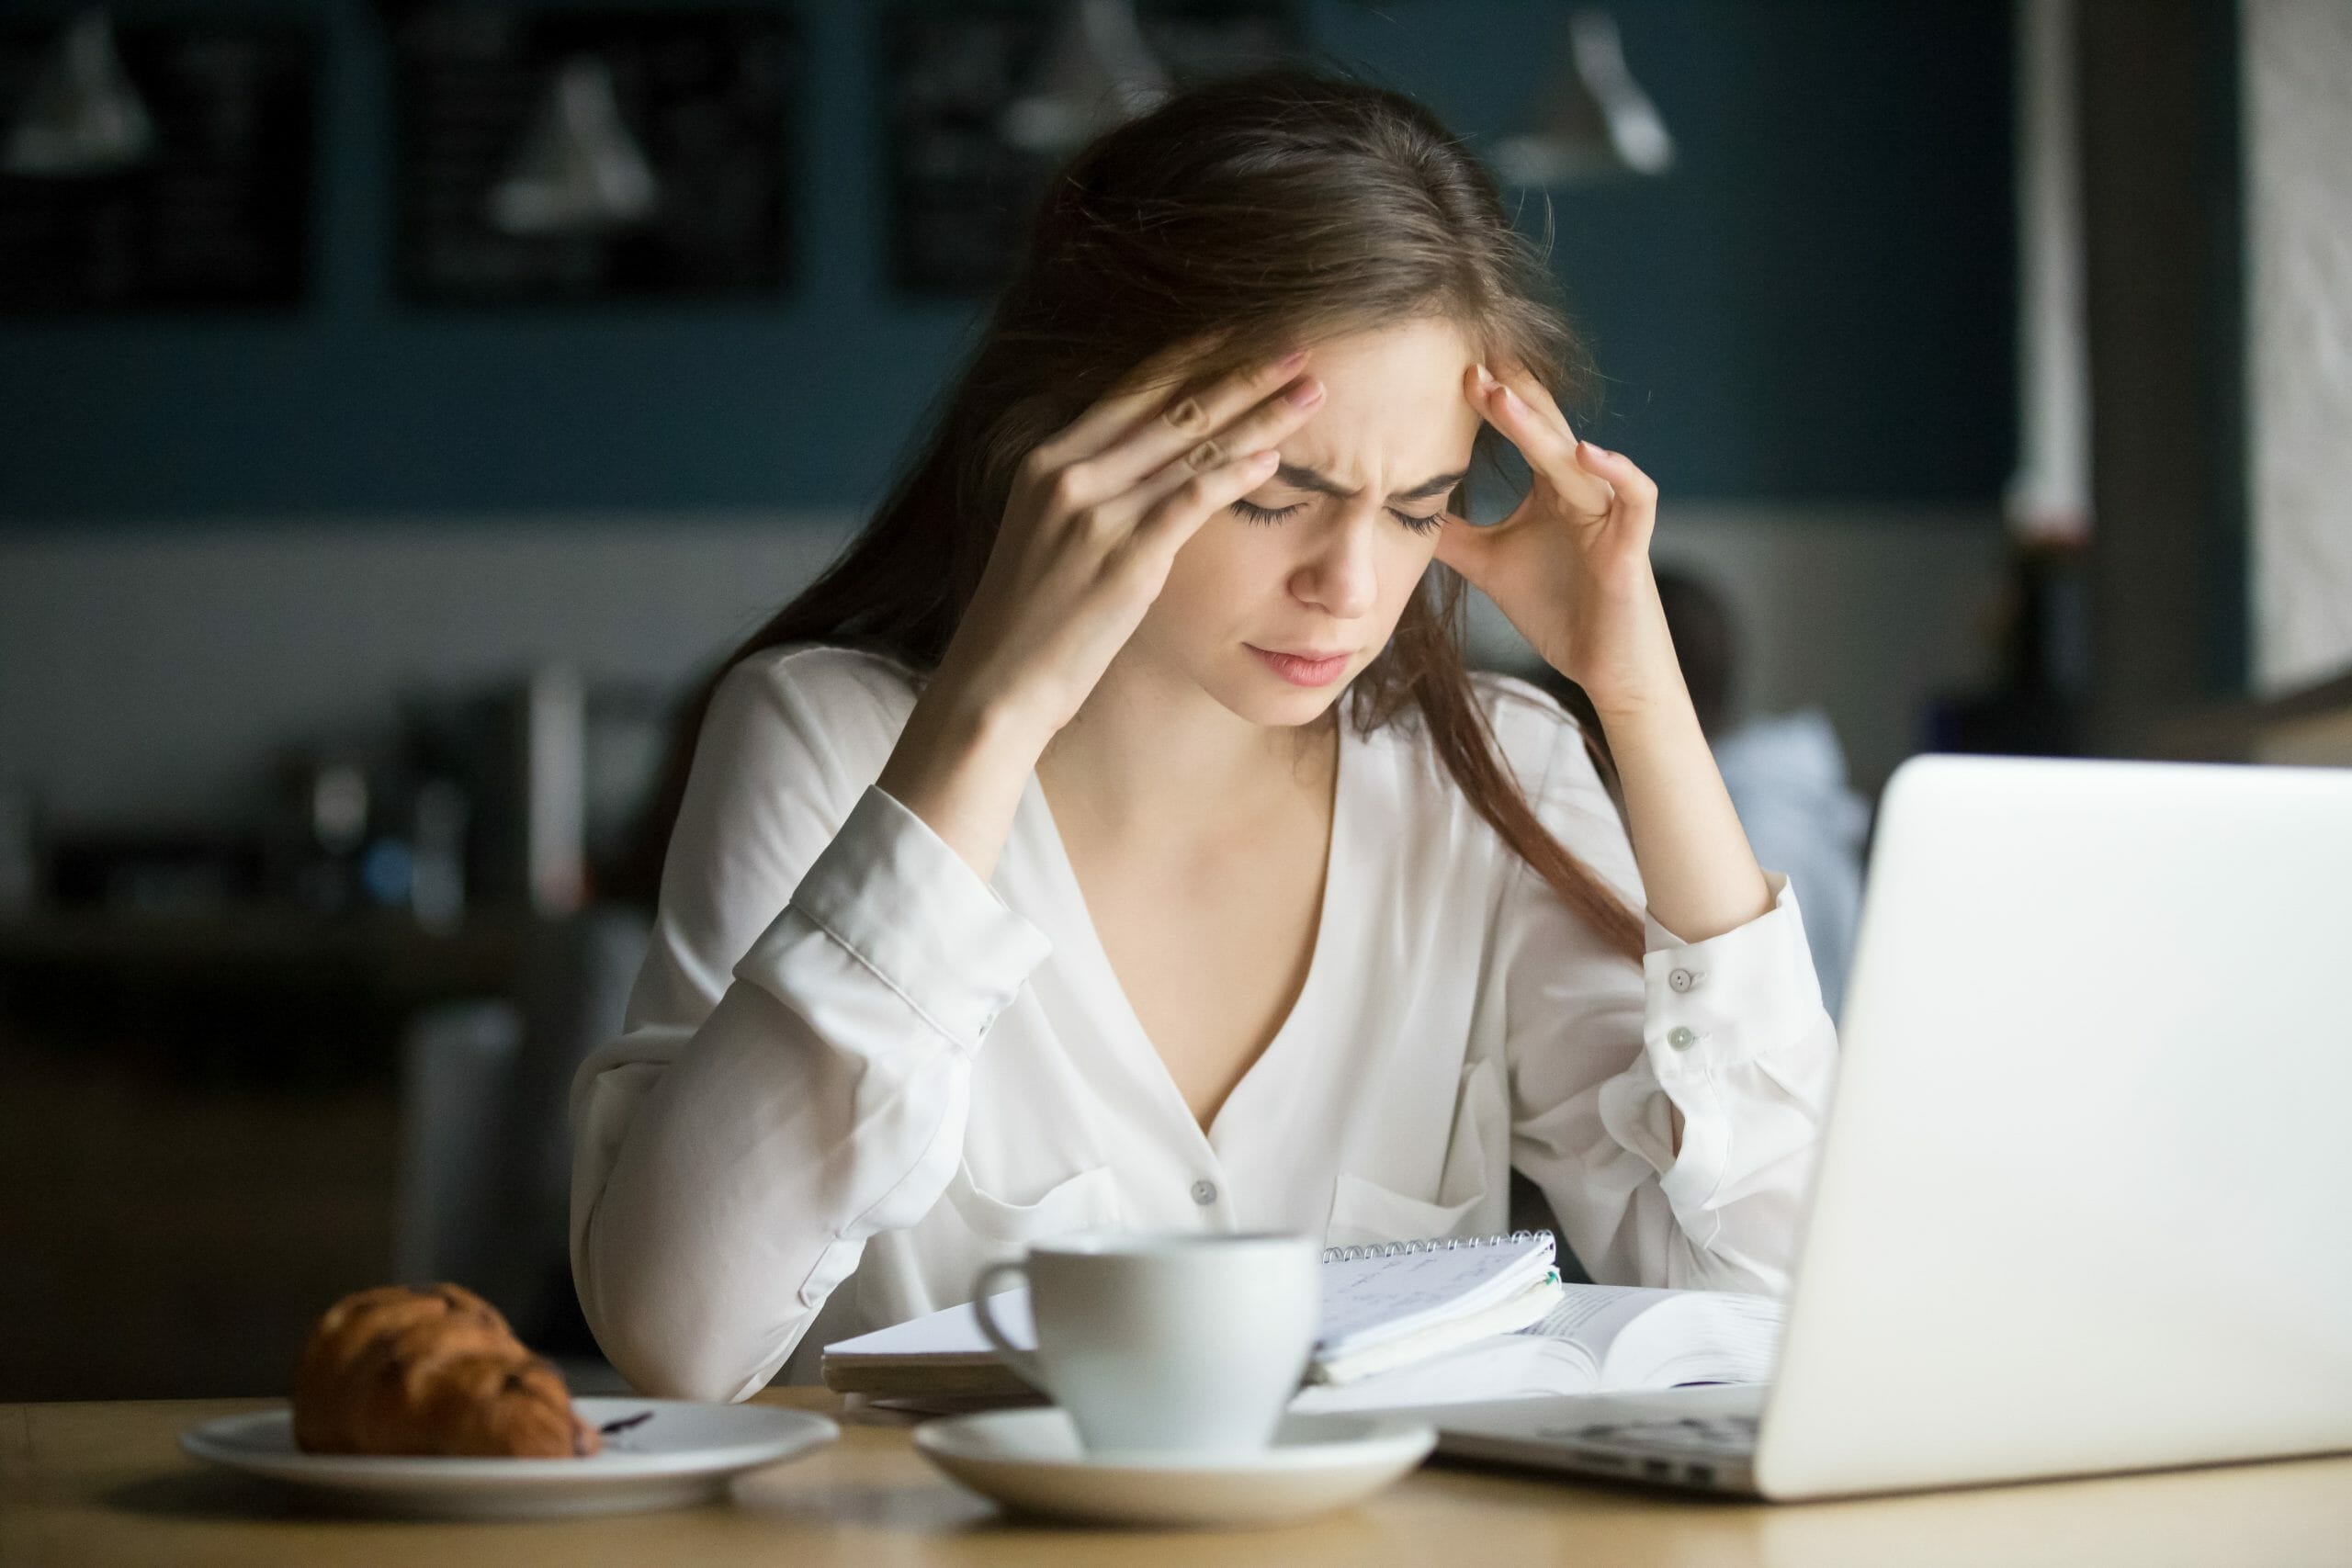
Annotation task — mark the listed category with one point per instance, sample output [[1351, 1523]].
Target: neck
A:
[[1151, 755]]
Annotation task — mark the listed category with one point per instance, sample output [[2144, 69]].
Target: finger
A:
[[1636, 492], [1516, 404], [1531, 389], [1178, 514], [1211, 413], [1263, 427], [1136, 394], [1523, 409], [1163, 418], [1543, 438]]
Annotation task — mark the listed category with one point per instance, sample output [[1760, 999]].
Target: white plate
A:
[[1030, 1461], [685, 1453]]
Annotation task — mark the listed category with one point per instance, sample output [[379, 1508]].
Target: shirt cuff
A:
[[1716, 1004], [915, 913], [1731, 998]]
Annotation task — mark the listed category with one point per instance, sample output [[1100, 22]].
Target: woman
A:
[[1114, 837]]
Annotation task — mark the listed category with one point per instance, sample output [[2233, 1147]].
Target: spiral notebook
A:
[[1385, 1306]]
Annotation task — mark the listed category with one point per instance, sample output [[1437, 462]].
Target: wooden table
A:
[[105, 1483]]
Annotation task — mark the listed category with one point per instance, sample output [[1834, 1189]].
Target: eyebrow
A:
[[1323, 484]]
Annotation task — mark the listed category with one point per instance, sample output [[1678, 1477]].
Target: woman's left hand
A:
[[1570, 566]]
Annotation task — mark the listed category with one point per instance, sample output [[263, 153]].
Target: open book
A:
[[1384, 1308], [1599, 1339]]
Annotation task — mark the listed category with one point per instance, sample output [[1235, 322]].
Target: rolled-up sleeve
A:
[[1731, 1032], [893, 896], [732, 1155]]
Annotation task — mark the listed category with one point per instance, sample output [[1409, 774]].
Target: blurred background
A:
[[402, 402]]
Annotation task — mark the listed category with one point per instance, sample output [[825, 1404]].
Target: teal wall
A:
[[1816, 303]]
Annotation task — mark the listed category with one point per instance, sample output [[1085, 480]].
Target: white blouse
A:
[[853, 1072]]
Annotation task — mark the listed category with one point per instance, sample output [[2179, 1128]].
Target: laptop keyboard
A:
[[1692, 1434]]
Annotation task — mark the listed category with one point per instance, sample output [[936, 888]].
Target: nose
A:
[[1339, 575]]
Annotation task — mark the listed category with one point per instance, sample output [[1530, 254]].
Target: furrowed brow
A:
[[1300, 478]]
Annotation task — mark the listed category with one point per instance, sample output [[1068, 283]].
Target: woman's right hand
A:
[[1097, 514]]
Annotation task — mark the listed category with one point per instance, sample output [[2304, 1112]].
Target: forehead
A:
[[1394, 400]]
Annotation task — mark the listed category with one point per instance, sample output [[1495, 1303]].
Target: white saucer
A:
[[1030, 1461], [685, 1452]]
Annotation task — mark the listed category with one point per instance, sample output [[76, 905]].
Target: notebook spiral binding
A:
[[1433, 1244]]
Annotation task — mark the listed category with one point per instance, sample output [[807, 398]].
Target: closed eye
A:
[[1417, 522]]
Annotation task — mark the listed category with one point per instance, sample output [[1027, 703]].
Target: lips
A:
[[1302, 670]]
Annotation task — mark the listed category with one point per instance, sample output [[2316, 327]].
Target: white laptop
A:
[[2085, 1198]]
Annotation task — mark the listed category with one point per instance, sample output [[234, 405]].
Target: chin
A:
[[1252, 692]]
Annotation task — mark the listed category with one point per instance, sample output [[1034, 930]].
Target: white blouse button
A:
[[1682, 1038], [1204, 1192], [1682, 979]]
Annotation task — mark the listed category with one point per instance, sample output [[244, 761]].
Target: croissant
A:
[[429, 1371]]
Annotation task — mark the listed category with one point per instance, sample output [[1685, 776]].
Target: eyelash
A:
[[1276, 514]]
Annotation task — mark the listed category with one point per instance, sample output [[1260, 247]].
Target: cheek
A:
[[1216, 572], [1228, 561]]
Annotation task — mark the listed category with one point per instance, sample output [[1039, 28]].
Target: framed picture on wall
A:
[[154, 164], [981, 101], [578, 155]]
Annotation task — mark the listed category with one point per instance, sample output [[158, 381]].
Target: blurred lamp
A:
[[578, 171], [83, 115], [1098, 72], [1593, 123]]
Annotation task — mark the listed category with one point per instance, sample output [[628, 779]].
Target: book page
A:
[[1593, 1316], [1599, 1339], [1695, 1336], [1501, 1366], [954, 1332], [1560, 1353]]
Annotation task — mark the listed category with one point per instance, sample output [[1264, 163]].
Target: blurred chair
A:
[[1786, 776], [485, 1156], [1786, 773]]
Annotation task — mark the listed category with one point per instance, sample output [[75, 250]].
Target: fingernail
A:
[[1266, 460], [1292, 361], [1304, 393], [1486, 376], [1593, 451], [1513, 399]]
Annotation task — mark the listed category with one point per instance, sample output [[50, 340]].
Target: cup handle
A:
[[1024, 1363]]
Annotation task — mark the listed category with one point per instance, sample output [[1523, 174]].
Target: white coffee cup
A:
[[1183, 1343]]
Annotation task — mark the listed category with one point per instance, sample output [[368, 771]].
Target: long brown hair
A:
[[1277, 206]]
